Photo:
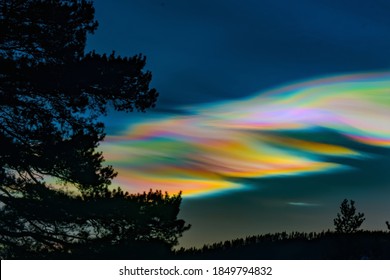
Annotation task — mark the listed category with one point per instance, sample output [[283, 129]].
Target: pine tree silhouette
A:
[[348, 220], [52, 95]]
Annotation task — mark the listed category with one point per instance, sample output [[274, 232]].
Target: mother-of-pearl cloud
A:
[[215, 145]]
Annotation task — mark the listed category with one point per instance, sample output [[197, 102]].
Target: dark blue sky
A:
[[213, 51], [210, 50]]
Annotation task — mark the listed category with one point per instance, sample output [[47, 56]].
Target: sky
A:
[[270, 112]]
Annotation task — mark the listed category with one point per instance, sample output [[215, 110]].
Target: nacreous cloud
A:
[[215, 145]]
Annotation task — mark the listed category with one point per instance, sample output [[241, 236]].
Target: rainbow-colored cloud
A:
[[215, 145]]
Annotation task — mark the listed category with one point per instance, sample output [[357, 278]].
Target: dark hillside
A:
[[325, 245]]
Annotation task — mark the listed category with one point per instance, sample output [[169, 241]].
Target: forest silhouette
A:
[[52, 95], [347, 241]]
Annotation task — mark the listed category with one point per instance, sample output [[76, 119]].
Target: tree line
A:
[[346, 241]]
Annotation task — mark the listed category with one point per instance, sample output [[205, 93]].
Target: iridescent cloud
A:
[[215, 145]]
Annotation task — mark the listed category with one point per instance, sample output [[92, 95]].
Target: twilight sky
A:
[[270, 112]]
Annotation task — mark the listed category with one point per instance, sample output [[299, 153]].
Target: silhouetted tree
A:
[[348, 220], [388, 225], [51, 97]]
